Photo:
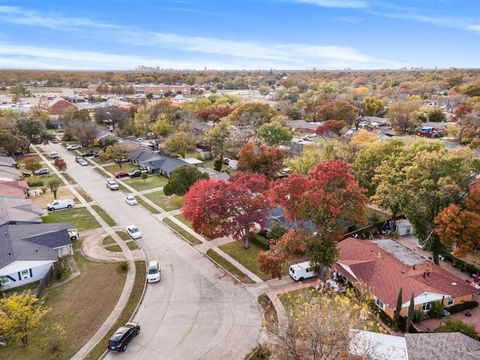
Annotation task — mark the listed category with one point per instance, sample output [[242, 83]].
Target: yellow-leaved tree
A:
[[19, 314]]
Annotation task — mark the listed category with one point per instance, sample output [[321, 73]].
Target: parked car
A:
[[55, 140], [135, 174], [134, 232], [139, 139], [73, 233], [120, 339], [301, 271], [60, 204], [90, 154], [26, 174], [43, 171], [74, 147], [81, 160], [121, 174], [54, 155], [112, 185], [154, 274], [131, 200]]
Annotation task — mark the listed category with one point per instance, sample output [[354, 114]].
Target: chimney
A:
[[379, 255]]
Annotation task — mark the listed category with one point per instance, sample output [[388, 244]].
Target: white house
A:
[[28, 251]]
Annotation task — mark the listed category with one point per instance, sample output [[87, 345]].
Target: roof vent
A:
[[36, 250], [454, 283]]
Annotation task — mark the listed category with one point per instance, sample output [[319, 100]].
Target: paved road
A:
[[196, 311]]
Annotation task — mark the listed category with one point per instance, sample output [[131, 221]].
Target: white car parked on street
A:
[[153, 274], [74, 147], [131, 200], [134, 232], [112, 185]]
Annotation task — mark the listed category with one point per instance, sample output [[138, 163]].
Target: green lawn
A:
[[182, 232], [70, 305], [167, 203], [84, 194], [108, 240], [125, 316], [212, 254], [246, 257], [153, 181], [114, 248], [101, 172], [42, 180], [147, 205], [81, 217], [104, 215], [183, 220], [129, 167], [69, 179], [132, 245], [123, 235], [291, 299]]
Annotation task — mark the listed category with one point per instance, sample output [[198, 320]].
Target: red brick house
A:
[[382, 267]]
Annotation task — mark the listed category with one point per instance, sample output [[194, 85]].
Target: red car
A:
[[121, 174]]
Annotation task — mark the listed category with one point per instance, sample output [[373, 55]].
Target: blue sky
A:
[[239, 34]]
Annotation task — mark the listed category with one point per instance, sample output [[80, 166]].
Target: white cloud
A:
[[474, 27], [353, 4], [20, 16]]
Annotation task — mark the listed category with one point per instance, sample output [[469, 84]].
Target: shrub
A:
[[455, 325], [35, 182], [436, 310], [462, 306], [123, 267], [217, 164], [276, 231], [259, 240], [418, 316]]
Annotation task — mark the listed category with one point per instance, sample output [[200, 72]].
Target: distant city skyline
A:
[[240, 35]]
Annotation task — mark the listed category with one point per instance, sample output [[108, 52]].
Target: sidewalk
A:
[[128, 286]]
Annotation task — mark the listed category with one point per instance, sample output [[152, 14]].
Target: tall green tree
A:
[[219, 137], [275, 134], [410, 314], [398, 308], [34, 130], [182, 179]]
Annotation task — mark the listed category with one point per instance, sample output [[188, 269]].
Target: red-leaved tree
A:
[[331, 127], [218, 208], [267, 160]]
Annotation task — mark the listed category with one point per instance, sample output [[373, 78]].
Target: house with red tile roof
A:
[[58, 106], [382, 267]]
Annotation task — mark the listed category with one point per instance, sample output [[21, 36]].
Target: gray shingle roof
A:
[[14, 210], [32, 242], [441, 346]]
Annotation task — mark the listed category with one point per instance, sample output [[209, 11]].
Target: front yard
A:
[[71, 307], [153, 181], [246, 257], [128, 167], [44, 199], [81, 217], [167, 203]]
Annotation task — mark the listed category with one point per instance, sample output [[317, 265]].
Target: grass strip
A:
[[104, 215], [232, 269], [132, 245], [182, 232], [127, 312], [147, 205], [101, 172]]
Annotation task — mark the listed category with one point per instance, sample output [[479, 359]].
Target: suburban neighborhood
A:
[[173, 186]]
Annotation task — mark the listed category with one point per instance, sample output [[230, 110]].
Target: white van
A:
[[60, 204], [301, 271]]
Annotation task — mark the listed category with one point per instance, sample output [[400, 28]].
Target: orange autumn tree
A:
[[460, 225]]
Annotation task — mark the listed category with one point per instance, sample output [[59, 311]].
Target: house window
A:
[[379, 303], [25, 274], [426, 306], [450, 301], [4, 280]]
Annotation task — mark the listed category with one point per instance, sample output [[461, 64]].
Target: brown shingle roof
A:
[[384, 275]]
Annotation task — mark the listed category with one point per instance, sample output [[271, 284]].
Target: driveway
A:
[[196, 311]]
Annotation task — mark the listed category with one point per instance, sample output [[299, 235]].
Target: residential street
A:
[[196, 311]]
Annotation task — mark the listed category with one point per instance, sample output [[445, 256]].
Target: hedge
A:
[[35, 183], [462, 306], [260, 241]]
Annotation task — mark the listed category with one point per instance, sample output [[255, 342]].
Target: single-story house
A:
[[155, 162], [14, 188], [30, 250], [7, 161], [19, 211], [213, 174], [382, 267], [302, 125]]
